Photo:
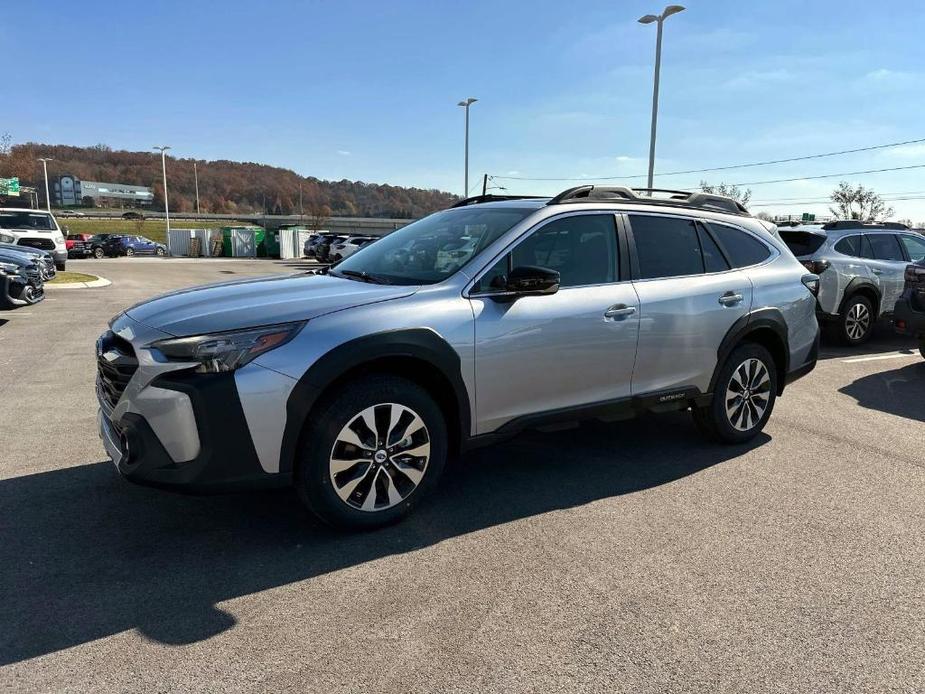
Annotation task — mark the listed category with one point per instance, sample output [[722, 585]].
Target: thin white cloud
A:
[[343, 152]]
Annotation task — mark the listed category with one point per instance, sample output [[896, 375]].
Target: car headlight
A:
[[227, 351], [10, 269], [7, 238]]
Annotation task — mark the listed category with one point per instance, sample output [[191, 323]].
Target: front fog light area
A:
[[227, 351]]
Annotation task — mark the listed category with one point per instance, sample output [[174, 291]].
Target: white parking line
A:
[[892, 355]]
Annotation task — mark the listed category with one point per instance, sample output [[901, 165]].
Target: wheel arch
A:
[[420, 355], [864, 287], [765, 327]]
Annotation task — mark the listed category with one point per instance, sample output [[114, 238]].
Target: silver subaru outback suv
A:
[[357, 385], [860, 267]]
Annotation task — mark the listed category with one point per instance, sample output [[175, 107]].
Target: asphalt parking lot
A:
[[628, 557]]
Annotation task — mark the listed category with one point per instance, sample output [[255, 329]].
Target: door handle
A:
[[619, 311], [730, 299]]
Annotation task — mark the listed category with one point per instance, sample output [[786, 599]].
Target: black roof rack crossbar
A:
[[858, 224], [476, 199], [682, 198]]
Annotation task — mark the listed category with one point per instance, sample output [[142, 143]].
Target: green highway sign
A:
[[9, 186], [809, 217]]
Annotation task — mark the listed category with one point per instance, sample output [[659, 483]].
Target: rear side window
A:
[[741, 249], [915, 247], [886, 247], [713, 260], [802, 242], [666, 246], [854, 246]]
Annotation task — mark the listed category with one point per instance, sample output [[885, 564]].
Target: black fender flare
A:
[[763, 318], [853, 287], [417, 343]]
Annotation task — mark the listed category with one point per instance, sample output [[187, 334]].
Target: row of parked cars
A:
[[331, 248], [111, 246]]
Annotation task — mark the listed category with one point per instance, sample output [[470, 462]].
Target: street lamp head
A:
[[648, 19], [161, 148], [672, 9], [467, 102], [45, 159]]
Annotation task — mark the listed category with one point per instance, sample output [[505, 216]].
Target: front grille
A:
[[43, 244], [116, 364]]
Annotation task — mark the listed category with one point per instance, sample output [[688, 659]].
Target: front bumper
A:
[[166, 426], [12, 288]]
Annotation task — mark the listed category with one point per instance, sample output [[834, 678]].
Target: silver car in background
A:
[[501, 313], [860, 267]]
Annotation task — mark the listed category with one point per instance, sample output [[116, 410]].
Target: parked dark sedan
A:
[[20, 279], [909, 312], [117, 244], [45, 259]]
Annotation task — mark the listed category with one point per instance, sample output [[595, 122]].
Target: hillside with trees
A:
[[226, 187]]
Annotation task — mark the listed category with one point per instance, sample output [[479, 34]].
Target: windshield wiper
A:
[[362, 276]]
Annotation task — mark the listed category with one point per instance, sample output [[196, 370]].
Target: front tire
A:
[[856, 322], [371, 452], [160, 252], [746, 390], [60, 266], [98, 253], [129, 252]]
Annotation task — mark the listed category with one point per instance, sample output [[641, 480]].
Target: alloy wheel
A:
[[748, 394], [380, 457], [857, 322]]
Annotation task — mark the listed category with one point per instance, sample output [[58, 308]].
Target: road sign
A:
[[809, 217], [9, 186]]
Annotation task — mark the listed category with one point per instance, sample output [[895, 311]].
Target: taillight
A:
[[915, 274], [811, 282], [817, 267]]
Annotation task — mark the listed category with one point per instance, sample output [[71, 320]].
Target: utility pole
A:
[[301, 210], [163, 150], [196, 177], [484, 184], [660, 19], [45, 161], [466, 104]]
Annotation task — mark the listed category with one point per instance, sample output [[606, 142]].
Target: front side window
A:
[[433, 248], [886, 247], [581, 248], [743, 249], [915, 247], [666, 246]]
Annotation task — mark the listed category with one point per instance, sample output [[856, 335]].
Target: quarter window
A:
[[886, 247], [713, 260], [742, 249], [666, 246], [915, 247], [851, 245]]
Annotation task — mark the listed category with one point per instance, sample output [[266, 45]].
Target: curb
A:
[[98, 282]]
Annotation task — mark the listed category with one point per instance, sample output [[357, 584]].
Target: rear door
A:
[[888, 267], [690, 295]]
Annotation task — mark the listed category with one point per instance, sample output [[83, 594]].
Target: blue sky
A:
[[368, 90]]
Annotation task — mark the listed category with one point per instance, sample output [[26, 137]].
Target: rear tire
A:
[[98, 253], [856, 322], [746, 390], [129, 252], [60, 266], [390, 475]]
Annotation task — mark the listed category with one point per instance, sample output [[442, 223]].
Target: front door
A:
[[538, 354]]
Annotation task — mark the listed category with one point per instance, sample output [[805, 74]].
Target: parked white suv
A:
[[33, 228]]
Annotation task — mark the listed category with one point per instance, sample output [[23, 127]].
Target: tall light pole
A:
[[660, 19], [163, 150], [196, 178], [466, 104], [45, 161]]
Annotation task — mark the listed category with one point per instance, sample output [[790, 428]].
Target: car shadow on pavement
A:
[[900, 392], [85, 555], [883, 339]]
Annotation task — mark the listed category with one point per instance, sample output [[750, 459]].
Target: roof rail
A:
[[476, 199], [672, 198], [858, 224]]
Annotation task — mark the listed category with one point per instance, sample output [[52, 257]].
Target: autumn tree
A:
[[729, 190], [318, 214], [859, 203]]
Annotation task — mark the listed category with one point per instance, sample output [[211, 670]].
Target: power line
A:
[[833, 175], [722, 168]]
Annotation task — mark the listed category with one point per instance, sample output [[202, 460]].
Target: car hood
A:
[[16, 257], [260, 301]]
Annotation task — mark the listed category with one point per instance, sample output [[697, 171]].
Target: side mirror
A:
[[529, 280]]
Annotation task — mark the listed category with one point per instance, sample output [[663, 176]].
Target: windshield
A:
[[431, 249], [28, 221]]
